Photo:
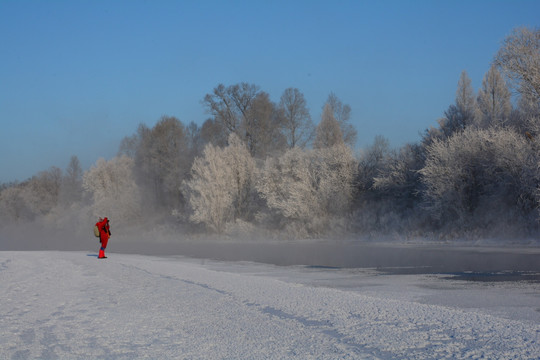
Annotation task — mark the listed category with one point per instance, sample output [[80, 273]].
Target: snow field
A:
[[71, 305]]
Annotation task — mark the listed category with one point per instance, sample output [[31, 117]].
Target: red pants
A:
[[104, 240]]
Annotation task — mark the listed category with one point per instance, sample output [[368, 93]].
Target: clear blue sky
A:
[[78, 76]]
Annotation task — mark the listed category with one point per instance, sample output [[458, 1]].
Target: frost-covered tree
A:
[[41, 193], [12, 206], [494, 105], [526, 117], [242, 167], [289, 184], [481, 176], [398, 177], [114, 192], [307, 188], [519, 59], [371, 162], [33, 198], [221, 185], [328, 132], [208, 190], [336, 170], [296, 121]]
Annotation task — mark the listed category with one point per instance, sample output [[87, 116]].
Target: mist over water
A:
[[423, 258], [331, 253]]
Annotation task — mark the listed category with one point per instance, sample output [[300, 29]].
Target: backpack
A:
[[96, 231]]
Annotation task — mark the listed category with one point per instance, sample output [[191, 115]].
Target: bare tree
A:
[[162, 159], [465, 101], [248, 112], [342, 113], [296, 124], [213, 132], [460, 115], [328, 131], [130, 144], [494, 105], [72, 182], [194, 138], [230, 105], [262, 127]]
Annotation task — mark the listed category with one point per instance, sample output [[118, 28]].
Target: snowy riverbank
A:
[[71, 305]]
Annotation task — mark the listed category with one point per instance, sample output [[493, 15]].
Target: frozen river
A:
[[72, 305]]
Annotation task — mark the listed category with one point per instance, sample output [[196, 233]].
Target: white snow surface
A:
[[70, 305]]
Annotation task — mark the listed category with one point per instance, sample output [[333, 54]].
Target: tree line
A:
[[256, 165]]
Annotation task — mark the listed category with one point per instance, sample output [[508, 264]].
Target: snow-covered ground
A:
[[71, 305]]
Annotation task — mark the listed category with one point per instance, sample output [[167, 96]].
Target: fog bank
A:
[[421, 257]]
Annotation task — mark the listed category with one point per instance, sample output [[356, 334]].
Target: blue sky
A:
[[78, 76]]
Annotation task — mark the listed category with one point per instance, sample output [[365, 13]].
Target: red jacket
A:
[[104, 230]]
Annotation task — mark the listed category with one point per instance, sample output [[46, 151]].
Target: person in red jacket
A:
[[104, 235]]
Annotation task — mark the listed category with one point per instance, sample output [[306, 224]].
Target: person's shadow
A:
[[92, 255]]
